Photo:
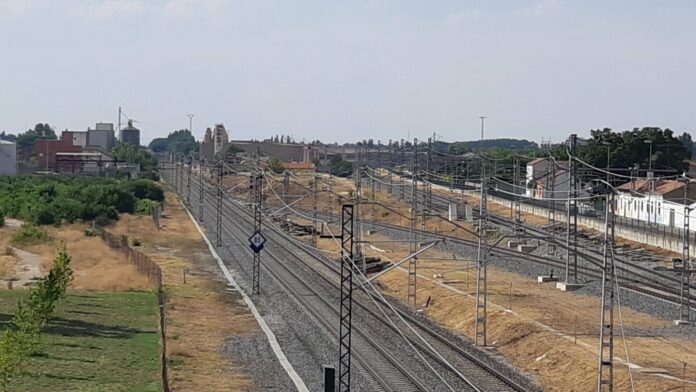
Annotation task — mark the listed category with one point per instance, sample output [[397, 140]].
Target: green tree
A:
[[276, 165], [629, 148], [27, 140], [147, 161]]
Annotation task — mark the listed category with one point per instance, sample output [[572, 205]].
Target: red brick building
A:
[[46, 150]]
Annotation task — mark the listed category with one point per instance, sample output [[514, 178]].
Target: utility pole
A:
[[550, 185], [519, 231], [605, 381], [413, 246], [258, 204], [374, 206], [481, 271], [359, 257], [686, 268], [346, 309], [401, 172], [188, 181], [390, 167], [314, 210], [200, 189], [331, 194], [572, 216], [286, 192], [218, 216]]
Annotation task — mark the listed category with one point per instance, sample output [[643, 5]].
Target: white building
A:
[[657, 201], [547, 178], [8, 158]]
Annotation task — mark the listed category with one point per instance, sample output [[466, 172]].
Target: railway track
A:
[[472, 373], [633, 277], [630, 276]]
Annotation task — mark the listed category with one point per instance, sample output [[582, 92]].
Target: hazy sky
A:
[[347, 70]]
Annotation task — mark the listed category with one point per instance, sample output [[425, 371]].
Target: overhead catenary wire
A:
[[366, 281]]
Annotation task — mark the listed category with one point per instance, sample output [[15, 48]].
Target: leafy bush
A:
[[2, 220], [144, 189], [30, 235], [145, 206], [44, 200]]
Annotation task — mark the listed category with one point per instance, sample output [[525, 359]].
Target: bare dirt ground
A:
[[96, 266], [550, 334], [200, 313]]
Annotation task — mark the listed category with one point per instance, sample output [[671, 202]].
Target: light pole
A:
[[650, 142], [608, 150], [190, 116], [483, 118]]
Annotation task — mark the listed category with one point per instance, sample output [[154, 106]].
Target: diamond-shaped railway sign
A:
[[256, 241]]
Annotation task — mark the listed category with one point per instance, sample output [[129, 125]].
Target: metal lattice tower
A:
[[413, 246], [390, 167], [286, 192], [359, 257], [481, 334], [346, 308], [188, 181], [519, 231], [373, 206], [177, 181], [550, 186], [684, 292], [218, 212], [200, 189], [314, 210], [571, 267], [605, 381], [258, 205], [331, 194], [401, 172]]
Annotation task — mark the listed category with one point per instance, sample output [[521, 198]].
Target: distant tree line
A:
[[178, 141]]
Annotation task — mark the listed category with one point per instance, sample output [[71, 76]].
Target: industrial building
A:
[[221, 140], [8, 158], [130, 135], [207, 146], [102, 136]]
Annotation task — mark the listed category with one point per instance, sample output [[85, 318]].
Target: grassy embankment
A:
[[97, 341]]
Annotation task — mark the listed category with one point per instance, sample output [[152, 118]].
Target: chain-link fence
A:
[[144, 264]]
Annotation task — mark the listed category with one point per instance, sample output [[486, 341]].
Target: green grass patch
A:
[[30, 235], [95, 342]]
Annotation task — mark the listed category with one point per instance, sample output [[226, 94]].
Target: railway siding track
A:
[[486, 377]]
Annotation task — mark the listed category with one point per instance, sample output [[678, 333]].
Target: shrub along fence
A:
[[145, 265]]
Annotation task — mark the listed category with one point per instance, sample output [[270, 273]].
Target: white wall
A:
[[653, 209], [8, 159]]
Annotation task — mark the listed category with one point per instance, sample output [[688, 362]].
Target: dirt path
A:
[[27, 268], [201, 313]]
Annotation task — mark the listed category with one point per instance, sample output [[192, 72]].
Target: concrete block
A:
[[681, 322], [546, 279], [565, 286], [512, 244], [526, 248]]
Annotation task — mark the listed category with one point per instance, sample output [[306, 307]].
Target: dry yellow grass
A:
[[96, 266], [537, 334], [200, 313]]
